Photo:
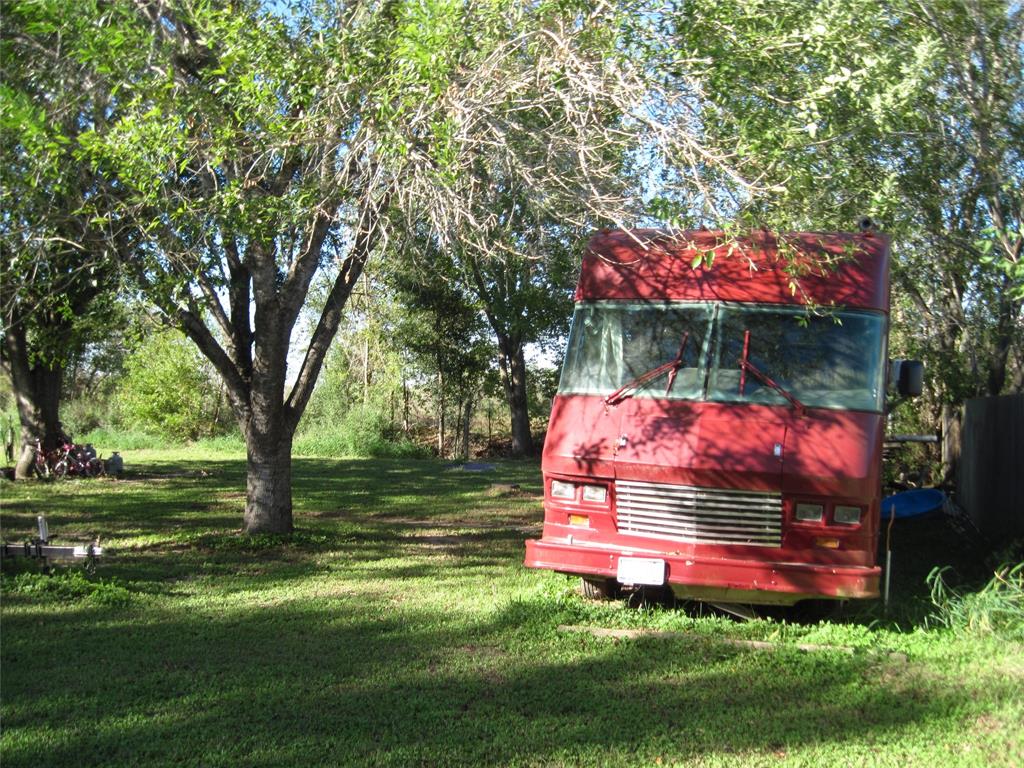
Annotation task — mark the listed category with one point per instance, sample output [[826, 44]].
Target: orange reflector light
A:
[[582, 520], [827, 543]]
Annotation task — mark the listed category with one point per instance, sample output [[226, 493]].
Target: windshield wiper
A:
[[747, 366], [672, 367]]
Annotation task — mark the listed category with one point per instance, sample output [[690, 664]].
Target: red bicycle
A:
[[69, 459], [77, 460], [41, 462]]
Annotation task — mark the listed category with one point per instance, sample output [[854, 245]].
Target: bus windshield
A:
[[833, 360]]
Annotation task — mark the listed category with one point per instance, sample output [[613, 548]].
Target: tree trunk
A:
[[440, 414], [366, 371], [366, 340], [405, 407], [217, 408], [513, 369], [467, 416], [1005, 332], [268, 483], [269, 428], [37, 390]]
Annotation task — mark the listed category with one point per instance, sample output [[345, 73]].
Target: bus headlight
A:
[[809, 513], [596, 493], [847, 515], [561, 490]]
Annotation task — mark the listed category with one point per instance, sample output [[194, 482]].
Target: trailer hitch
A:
[[41, 549]]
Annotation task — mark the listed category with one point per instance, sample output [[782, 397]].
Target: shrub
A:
[[360, 433], [86, 414], [168, 390]]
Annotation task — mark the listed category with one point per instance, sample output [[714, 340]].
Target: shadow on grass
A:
[[351, 683], [211, 494], [370, 510], [221, 662], [920, 545]]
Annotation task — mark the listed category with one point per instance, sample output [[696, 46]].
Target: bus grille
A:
[[701, 515]]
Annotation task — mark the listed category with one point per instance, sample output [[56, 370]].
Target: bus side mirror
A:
[[909, 377]]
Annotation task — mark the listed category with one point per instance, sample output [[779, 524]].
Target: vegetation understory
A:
[[397, 626]]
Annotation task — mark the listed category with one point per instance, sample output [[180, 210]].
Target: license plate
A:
[[641, 570]]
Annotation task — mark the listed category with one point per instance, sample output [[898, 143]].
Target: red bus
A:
[[719, 418]]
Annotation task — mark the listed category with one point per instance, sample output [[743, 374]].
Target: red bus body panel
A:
[[646, 264], [828, 456]]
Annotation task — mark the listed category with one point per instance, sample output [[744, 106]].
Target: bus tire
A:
[[598, 588], [817, 611]]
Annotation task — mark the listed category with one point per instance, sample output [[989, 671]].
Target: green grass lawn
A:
[[398, 627]]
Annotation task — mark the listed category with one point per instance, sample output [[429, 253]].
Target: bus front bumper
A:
[[714, 578]]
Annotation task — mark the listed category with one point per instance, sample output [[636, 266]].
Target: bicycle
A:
[[78, 460], [40, 461]]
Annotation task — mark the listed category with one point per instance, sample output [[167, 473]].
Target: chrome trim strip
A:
[[699, 515]]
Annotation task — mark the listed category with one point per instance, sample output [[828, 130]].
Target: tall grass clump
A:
[[995, 609], [70, 586], [232, 444], [107, 439]]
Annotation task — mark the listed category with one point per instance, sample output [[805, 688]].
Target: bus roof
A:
[[841, 269]]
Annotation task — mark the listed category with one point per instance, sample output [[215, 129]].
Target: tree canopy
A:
[[909, 112], [61, 229], [231, 155], [251, 149]]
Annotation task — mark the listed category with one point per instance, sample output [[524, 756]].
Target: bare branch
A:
[[369, 234]]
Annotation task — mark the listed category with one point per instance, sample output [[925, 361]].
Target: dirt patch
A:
[[471, 534], [330, 514], [149, 477], [435, 542], [484, 651], [987, 724], [505, 489], [336, 592]]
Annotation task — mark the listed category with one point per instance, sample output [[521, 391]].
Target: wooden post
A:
[[952, 420]]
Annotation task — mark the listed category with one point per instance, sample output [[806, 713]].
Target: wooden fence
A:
[[990, 475]]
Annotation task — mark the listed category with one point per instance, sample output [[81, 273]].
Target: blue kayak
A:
[[912, 503]]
